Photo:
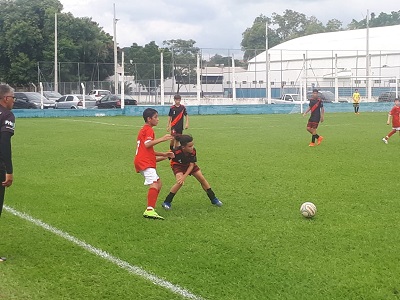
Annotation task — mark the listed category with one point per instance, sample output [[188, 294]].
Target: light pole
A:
[[115, 55]]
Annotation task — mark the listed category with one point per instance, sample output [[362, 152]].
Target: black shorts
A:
[[182, 169], [356, 104], [176, 130], [311, 124]]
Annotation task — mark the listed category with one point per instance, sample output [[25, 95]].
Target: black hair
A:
[[177, 96], [149, 113], [184, 139]]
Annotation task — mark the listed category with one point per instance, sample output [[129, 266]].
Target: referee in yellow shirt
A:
[[356, 101]]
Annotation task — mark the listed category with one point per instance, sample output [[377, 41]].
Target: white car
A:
[[98, 94], [74, 101]]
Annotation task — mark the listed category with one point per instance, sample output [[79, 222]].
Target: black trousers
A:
[[2, 188]]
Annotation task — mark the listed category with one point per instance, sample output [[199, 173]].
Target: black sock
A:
[[169, 198], [210, 194], [313, 138]]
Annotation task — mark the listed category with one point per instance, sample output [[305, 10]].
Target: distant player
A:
[[356, 101], [176, 114], [146, 159], [316, 107], [183, 165], [394, 114]]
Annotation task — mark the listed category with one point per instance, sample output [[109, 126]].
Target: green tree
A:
[[184, 61], [291, 24], [333, 25], [144, 63], [219, 60], [254, 38], [27, 41], [383, 19], [313, 26]]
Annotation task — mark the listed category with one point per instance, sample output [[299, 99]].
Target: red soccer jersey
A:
[[145, 157], [395, 113]]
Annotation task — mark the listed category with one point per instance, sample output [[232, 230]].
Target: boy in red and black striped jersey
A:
[[176, 114], [317, 115], [394, 114], [184, 164]]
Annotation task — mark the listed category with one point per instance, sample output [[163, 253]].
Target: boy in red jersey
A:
[[316, 107], [176, 114], [146, 159], [184, 164], [394, 114]]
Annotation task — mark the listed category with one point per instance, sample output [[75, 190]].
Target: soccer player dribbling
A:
[[394, 115], [316, 107], [146, 159]]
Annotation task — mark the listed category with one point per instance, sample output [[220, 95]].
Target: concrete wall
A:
[[200, 110]]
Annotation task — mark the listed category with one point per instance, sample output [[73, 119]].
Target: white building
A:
[[324, 56]]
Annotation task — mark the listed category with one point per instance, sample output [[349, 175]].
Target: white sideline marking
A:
[[103, 254], [97, 122]]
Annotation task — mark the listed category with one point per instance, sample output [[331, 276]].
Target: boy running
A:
[[316, 107], [394, 114], [146, 159], [176, 114], [183, 165]]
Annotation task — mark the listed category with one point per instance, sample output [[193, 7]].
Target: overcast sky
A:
[[213, 24]]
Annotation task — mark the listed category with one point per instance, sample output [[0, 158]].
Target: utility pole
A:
[[115, 54]]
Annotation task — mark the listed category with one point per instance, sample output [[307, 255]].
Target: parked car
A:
[[98, 94], [52, 95], [327, 96], [387, 96], [114, 101], [75, 101], [35, 98]]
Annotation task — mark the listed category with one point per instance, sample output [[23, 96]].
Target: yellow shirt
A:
[[356, 97]]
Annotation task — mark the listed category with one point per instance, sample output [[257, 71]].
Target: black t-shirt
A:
[[176, 113], [7, 125], [182, 158], [316, 113]]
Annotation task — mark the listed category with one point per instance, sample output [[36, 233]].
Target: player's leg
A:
[[153, 181], [207, 188], [2, 189], [172, 192], [2, 192], [385, 139]]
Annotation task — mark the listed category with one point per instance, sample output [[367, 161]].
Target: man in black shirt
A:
[[7, 124]]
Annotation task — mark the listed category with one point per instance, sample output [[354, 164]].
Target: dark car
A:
[[114, 101], [387, 97], [32, 100]]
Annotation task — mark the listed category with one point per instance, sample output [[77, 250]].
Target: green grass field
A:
[[76, 174]]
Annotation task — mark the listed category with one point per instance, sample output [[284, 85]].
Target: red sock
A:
[[391, 133], [152, 197]]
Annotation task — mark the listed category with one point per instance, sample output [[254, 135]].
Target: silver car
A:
[[75, 101]]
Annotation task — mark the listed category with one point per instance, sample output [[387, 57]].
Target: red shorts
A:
[[313, 125], [182, 169]]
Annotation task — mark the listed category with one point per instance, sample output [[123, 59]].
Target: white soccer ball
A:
[[308, 209]]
